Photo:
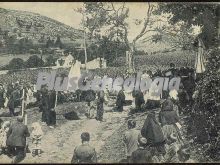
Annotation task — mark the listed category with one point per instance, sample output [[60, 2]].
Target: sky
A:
[[65, 12]]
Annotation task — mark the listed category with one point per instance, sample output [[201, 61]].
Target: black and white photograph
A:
[[109, 82]]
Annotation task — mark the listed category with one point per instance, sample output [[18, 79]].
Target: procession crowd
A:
[[159, 140]]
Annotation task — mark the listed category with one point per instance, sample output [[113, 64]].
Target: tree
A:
[[25, 44], [50, 61], [100, 16], [16, 63], [205, 15], [49, 43], [58, 43], [34, 61], [10, 42]]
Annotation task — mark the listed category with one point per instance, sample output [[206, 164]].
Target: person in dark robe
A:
[[90, 96], [2, 99], [169, 118], [120, 101], [152, 131], [44, 101], [51, 116], [139, 100], [100, 105], [52, 119]]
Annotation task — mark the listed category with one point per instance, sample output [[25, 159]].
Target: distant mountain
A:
[[36, 26]]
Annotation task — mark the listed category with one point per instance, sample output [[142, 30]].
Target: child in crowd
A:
[[92, 110], [3, 136], [36, 136]]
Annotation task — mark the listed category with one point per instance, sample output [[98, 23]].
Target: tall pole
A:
[[84, 32]]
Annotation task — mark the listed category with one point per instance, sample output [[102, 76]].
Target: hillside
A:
[[35, 26]]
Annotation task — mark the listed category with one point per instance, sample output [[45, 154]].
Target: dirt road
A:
[[58, 143]]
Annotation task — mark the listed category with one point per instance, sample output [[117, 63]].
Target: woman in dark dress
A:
[[169, 118], [120, 101], [100, 107], [152, 131]]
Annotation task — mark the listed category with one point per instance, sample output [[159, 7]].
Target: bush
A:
[[208, 98], [16, 63], [34, 61]]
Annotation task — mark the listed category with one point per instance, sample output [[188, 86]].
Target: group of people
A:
[[147, 100], [13, 139], [159, 140], [12, 95]]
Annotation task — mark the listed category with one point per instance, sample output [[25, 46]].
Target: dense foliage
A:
[[205, 15]]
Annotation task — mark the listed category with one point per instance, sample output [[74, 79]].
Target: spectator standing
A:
[[100, 106], [120, 101]]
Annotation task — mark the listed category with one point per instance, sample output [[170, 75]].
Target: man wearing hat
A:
[[84, 153], [16, 140], [143, 154]]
